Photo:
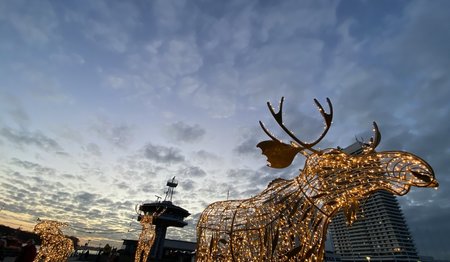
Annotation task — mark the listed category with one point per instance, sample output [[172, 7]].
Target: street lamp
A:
[[368, 259]]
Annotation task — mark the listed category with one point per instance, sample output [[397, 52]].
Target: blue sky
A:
[[103, 101]]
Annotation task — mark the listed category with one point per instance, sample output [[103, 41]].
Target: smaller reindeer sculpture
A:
[[55, 246], [147, 236], [288, 221]]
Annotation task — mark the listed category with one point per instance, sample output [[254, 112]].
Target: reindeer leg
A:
[[137, 255], [38, 257], [146, 252]]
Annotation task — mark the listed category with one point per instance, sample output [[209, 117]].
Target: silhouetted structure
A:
[[173, 250], [173, 216]]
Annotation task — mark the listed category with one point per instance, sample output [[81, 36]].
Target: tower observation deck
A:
[[171, 216]]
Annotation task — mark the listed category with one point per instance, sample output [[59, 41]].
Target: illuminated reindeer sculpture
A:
[[288, 221], [147, 236], [55, 246]]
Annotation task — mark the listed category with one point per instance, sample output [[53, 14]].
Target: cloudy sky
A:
[[103, 101]]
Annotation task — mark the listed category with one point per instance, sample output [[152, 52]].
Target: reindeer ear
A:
[[279, 155]]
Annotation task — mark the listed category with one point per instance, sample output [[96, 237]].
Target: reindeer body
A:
[[282, 221], [55, 247], [147, 236], [288, 221], [146, 239]]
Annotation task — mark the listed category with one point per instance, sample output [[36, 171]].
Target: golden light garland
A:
[[289, 219], [55, 247], [147, 236]]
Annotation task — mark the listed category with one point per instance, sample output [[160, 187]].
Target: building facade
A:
[[380, 233]]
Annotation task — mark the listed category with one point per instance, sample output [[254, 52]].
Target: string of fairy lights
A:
[[55, 246]]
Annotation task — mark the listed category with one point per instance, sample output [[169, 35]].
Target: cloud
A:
[[40, 170], [411, 43], [247, 145], [85, 198], [35, 23], [429, 227], [162, 154], [212, 63], [182, 132], [117, 134], [247, 182], [93, 149], [162, 68], [204, 155], [14, 107], [67, 58], [188, 185], [46, 86], [23, 138], [193, 171], [52, 200], [181, 58], [91, 169], [98, 23]]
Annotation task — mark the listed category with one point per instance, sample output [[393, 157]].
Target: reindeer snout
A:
[[434, 183], [427, 177]]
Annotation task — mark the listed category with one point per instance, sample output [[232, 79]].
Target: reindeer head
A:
[[49, 227], [335, 179], [147, 219]]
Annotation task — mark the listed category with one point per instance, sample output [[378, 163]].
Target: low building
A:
[[173, 250]]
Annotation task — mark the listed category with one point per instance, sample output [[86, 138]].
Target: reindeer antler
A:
[[374, 140], [279, 154], [328, 117]]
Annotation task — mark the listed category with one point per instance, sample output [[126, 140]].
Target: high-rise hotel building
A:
[[380, 233]]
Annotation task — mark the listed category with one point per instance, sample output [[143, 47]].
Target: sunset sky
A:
[[103, 101]]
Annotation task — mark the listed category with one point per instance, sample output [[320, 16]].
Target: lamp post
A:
[[368, 259]]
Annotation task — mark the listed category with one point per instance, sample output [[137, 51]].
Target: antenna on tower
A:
[[171, 184], [157, 198]]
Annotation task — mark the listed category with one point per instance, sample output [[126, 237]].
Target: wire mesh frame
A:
[[289, 219], [146, 238], [55, 246]]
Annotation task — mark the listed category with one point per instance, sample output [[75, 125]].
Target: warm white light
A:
[[55, 247], [146, 238]]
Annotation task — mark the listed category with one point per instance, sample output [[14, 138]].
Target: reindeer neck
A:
[[281, 193], [315, 197], [287, 195], [303, 219]]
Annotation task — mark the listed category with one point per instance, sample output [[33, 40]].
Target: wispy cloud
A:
[[182, 132], [23, 138], [117, 134], [163, 154], [35, 23]]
